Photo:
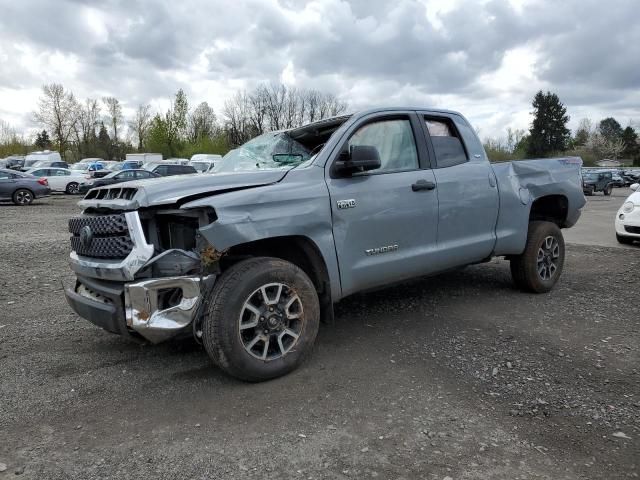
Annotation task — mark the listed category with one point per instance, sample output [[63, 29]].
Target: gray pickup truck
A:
[[249, 258]]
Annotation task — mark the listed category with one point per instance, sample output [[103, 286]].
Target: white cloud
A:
[[486, 58]]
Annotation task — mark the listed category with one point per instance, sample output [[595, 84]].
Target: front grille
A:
[[114, 193], [107, 236], [632, 229]]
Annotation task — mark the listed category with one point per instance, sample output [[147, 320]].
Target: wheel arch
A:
[[550, 208], [297, 249]]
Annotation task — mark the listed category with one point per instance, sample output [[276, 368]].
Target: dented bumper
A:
[[150, 313]]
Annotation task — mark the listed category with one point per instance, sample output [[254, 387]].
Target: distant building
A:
[[609, 163]]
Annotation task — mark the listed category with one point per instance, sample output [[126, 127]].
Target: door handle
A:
[[423, 185]]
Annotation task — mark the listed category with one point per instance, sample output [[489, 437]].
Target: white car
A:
[[203, 162], [628, 217], [61, 179]]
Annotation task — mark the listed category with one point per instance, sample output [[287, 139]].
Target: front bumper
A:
[[140, 307], [628, 224]]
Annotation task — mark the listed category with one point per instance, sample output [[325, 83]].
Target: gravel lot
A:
[[457, 376]]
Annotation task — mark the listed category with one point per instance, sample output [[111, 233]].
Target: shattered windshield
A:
[[270, 151]]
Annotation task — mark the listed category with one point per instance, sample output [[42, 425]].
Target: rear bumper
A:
[[572, 218]]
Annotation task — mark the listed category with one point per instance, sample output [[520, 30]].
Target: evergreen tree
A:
[[104, 141], [43, 142], [548, 132], [610, 129], [631, 146]]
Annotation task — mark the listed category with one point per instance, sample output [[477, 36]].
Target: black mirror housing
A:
[[360, 158]]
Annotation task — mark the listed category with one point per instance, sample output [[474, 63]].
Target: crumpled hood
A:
[[169, 190]]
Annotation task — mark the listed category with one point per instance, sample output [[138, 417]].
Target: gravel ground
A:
[[457, 376]]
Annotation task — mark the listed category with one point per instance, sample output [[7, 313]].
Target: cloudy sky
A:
[[484, 58]]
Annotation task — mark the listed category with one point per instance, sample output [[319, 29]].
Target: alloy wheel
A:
[[271, 321], [547, 260]]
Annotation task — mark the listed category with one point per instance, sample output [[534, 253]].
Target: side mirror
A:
[[635, 187], [361, 158]]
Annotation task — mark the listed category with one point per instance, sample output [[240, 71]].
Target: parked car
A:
[[101, 169], [617, 181], [116, 167], [204, 162], [597, 182], [627, 221], [249, 259], [169, 169], [49, 164], [117, 177], [177, 160], [14, 162], [60, 179], [33, 158], [91, 160], [132, 164], [22, 188], [143, 158]]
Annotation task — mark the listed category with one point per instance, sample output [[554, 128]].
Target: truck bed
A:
[[522, 182]]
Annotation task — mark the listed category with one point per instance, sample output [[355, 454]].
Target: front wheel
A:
[[538, 268], [262, 319], [607, 190]]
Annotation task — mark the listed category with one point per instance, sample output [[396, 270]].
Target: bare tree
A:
[[237, 114], [141, 123], [88, 118], [114, 115], [7, 133], [276, 107], [58, 112]]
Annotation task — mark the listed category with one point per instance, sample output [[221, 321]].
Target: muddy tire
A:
[[22, 197], [538, 268], [262, 320]]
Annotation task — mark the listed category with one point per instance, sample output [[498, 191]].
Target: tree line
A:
[[549, 136], [98, 128]]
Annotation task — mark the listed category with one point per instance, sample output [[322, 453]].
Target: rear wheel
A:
[[624, 240], [22, 197], [538, 268], [73, 188], [262, 320]]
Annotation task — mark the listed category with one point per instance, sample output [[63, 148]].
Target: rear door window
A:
[[446, 141]]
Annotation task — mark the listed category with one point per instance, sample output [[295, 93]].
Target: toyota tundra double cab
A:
[[249, 258]]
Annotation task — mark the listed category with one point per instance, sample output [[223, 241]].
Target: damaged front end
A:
[[144, 272]]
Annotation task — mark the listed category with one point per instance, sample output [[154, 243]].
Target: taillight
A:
[[43, 181]]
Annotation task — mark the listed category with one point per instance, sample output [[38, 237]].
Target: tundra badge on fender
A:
[[342, 204]]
